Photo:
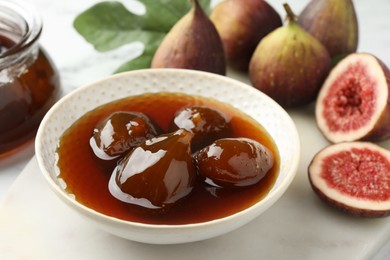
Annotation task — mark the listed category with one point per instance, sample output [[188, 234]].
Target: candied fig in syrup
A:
[[234, 162], [120, 132], [157, 173], [206, 124]]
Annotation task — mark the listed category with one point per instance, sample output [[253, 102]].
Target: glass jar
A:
[[29, 81]]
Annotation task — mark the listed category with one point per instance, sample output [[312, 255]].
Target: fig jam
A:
[[24, 102], [87, 176], [29, 82]]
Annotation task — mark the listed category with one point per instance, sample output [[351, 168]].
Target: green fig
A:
[[192, 43], [289, 64], [334, 23], [241, 25]]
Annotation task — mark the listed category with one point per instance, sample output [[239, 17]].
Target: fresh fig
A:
[[120, 132], [157, 173], [234, 162], [354, 102], [334, 23], [289, 64], [192, 43], [205, 123], [241, 25], [353, 177]]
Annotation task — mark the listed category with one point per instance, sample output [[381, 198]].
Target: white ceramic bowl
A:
[[249, 100]]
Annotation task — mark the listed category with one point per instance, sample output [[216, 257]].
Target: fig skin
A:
[[156, 174], [241, 25], [120, 132], [334, 23], [234, 162], [192, 43], [205, 123], [355, 94], [289, 65], [340, 169]]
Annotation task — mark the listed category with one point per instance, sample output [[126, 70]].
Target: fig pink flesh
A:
[[352, 102], [359, 172]]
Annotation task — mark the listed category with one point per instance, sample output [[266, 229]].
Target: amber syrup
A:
[[87, 177], [24, 99]]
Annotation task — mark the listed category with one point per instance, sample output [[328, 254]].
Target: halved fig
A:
[[353, 177], [354, 102]]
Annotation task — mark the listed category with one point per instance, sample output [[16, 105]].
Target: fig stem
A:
[[290, 14], [196, 7], [194, 3]]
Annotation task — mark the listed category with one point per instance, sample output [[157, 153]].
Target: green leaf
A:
[[167, 12], [163, 14], [141, 62], [109, 25]]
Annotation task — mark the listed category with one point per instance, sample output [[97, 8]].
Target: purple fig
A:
[[333, 23], [192, 43], [289, 64], [241, 25]]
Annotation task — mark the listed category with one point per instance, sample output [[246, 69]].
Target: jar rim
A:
[[32, 20]]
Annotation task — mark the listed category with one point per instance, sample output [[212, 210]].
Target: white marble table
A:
[[80, 64]]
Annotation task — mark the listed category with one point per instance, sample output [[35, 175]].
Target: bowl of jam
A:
[[168, 156]]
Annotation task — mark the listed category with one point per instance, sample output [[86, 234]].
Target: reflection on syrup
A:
[[87, 177]]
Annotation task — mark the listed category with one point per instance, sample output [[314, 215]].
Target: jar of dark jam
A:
[[29, 81]]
